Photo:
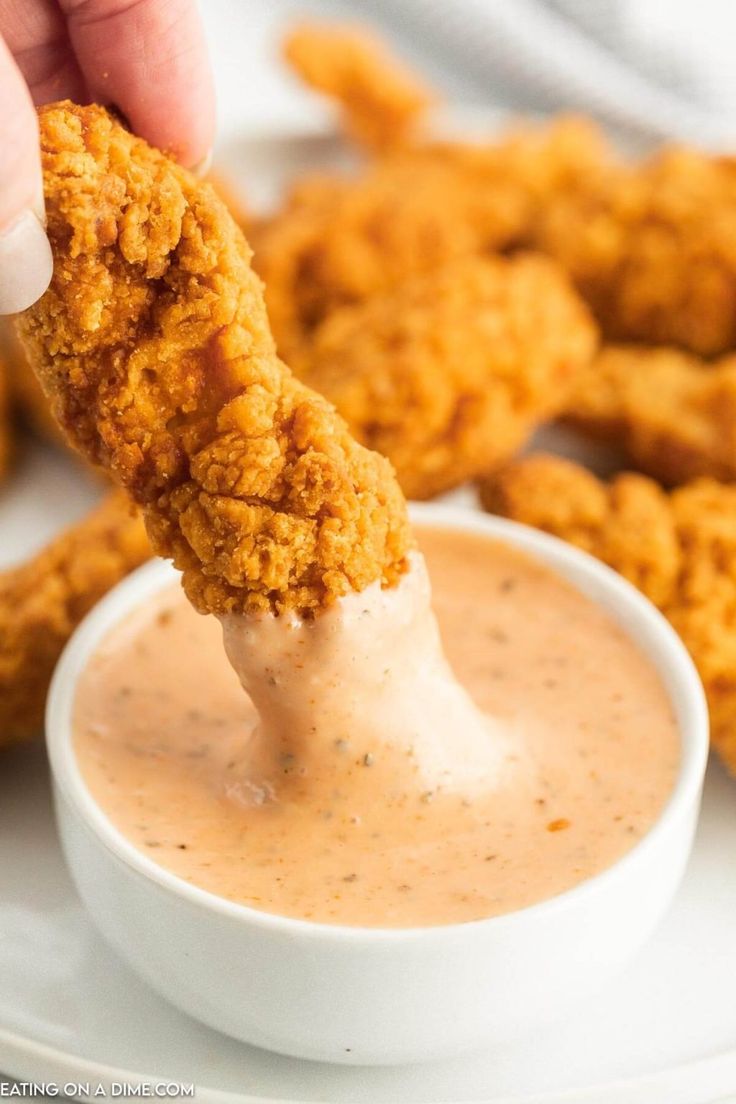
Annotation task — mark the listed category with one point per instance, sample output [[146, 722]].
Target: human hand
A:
[[146, 57]]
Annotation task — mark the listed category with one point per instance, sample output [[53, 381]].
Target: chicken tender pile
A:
[[673, 414], [153, 343], [652, 248], [43, 601], [380, 99], [341, 240], [448, 375], [679, 548]]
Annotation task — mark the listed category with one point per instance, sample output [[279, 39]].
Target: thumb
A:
[[26, 264]]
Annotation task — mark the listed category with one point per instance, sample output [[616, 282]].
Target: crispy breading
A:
[[154, 345], [42, 601], [449, 374], [343, 240], [679, 548], [380, 98], [673, 414], [652, 247]]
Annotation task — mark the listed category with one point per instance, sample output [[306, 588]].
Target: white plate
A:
[[665, 1033]]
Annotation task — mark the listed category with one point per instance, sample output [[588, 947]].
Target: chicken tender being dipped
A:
[[678, 548], [673, 415], [43, 600], [449, 375], [154, 345], [381, 100]]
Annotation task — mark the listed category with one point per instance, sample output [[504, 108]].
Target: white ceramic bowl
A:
[[368, 995]]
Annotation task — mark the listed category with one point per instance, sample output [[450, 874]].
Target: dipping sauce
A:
[[576, 760]]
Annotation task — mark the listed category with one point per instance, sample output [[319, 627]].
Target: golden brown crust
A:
[[680, 549], [154, 345], [43, 600], [449, 374], [673, 414], [380, 98], [652, 248], [340, 241]]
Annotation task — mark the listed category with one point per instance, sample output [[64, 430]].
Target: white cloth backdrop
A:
[[651, 68]]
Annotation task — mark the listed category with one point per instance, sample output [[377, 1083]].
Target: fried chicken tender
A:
[[679, 548], [381, 100], [342, 240], [449, 374], [652, 248], [628, 523], [154, 345], [42, 602], [673, 414]]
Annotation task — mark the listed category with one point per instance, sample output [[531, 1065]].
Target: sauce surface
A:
[[582, 752]]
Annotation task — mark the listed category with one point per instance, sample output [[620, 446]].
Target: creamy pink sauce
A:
[[369, 787]]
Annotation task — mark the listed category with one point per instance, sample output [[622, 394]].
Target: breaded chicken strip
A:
[[339, 241], [380, 99], [673, 414], [153, 343], [678, 548], [449, 374], [652, 248], [43, 601]]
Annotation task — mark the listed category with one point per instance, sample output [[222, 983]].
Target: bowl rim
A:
[[656, 638]]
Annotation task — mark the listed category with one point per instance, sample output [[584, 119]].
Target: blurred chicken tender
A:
[[652, 248], [678, 548], [43, 601], [448, 375], [341, 240], [153, 343], [381, 100], [673, 414]]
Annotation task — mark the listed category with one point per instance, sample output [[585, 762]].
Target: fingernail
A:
[[203, 167], [26, 263]]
